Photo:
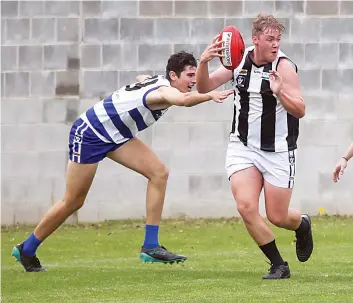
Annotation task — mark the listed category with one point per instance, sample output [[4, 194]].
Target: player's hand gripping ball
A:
[[233, 47]]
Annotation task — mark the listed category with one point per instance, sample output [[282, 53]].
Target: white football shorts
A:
[[277, 168]]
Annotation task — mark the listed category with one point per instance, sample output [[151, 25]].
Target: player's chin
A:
[[273, 56]]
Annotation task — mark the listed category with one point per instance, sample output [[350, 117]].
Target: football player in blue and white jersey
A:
[[108, 129]]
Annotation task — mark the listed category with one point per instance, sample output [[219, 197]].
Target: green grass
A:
[[99, 263]]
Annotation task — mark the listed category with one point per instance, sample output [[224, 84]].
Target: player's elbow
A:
[[301, 112], [298, 113]]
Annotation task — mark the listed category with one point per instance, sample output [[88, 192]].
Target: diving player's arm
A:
[[290, 94], [167, 96], [174, 97]]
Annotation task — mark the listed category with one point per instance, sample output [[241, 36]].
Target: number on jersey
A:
[[144, 83]]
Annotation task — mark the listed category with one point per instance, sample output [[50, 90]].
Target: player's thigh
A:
[[238, 158], [85, 151], [277, 201], [79, 178], [136, 155], [277, 168], [246, 186], [279, 174]]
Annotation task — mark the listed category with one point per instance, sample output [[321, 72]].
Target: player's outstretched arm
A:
[[175, 97], [342, 164], [168, 96]]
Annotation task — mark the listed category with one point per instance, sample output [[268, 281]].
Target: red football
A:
[[234, 47]]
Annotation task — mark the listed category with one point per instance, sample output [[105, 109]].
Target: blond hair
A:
[[264, 21]]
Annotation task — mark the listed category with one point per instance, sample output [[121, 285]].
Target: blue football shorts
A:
[[84, 145]]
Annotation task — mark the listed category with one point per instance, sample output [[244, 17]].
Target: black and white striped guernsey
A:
[[259, 118]]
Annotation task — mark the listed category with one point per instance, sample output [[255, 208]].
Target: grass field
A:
[[99, 263]]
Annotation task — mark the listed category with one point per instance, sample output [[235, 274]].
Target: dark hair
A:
[[178, 61]]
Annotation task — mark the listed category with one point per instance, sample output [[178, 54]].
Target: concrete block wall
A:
[[60, 57]]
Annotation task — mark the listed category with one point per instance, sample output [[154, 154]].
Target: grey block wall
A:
[[60, 57]]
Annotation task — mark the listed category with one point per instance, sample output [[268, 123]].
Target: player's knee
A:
[[160, 174], [247, 209], [74, 204], [276, 219]]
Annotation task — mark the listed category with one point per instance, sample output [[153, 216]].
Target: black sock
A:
[[303, 228], [271, 252]]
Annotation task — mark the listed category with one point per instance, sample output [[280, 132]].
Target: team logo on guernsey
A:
[[243, 72], [241, 81]]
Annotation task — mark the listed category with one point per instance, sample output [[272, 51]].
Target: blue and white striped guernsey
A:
[[122, 115]]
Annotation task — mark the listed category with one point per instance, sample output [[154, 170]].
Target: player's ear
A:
[[255, 40], [173, 76]]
